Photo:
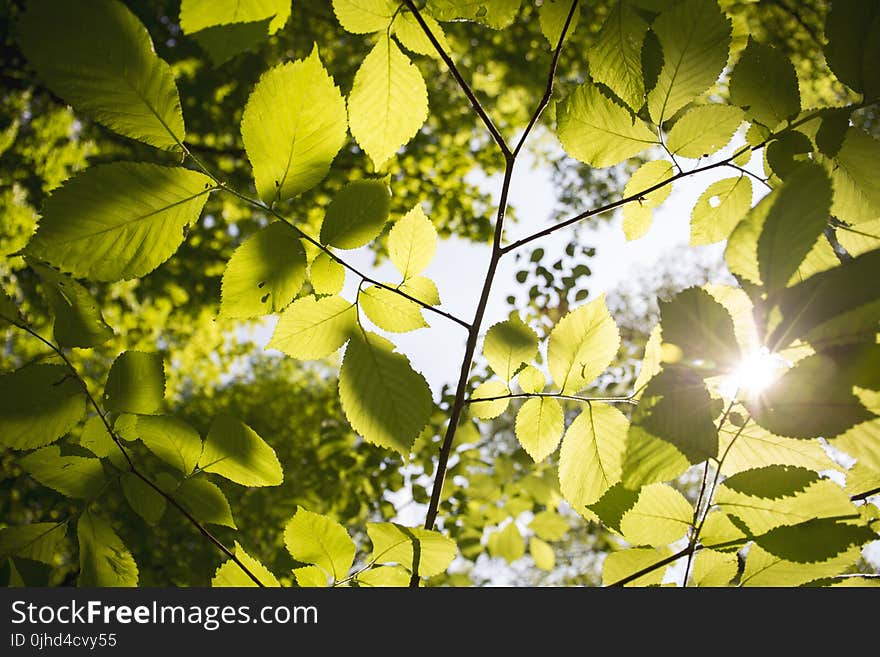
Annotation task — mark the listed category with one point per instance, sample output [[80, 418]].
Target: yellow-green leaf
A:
[[421, 551], [765, 85], [391, 311], [316, 539], [507, 543], [489, 409], [231, 574], [233, 450], [619, 565], [703, 130], [616, 56], [719, 209], [542, 553], [531, 379], [364, 16], [508, 345], [660, 516], [412, 243], [356, 215], [637, 215], [539, 425], [103, 558], [714, 568], [136, 383], [552, 16], [314, 328]]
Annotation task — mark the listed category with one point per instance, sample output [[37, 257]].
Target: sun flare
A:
[[755, 373]]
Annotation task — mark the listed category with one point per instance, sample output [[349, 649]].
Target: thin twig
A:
[[132, 468], [554, 395], [462, 83], [745, 171]]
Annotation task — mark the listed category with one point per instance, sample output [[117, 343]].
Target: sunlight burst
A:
[[755, 373]]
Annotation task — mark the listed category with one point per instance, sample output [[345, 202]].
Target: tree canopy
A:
[[178, 175]]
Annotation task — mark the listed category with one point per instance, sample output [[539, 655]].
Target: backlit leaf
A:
[[704, 130], [714, 568], [196, 15], [542, 553], [233, 450], [205, 501], [145, 501], [765, 85], [507, 543], [264, 274], [171, 439], [552, 16], [508, 345], [78, 318], [391, 311], [73, 476], [231, 574], [582, 345], [364, 16], [103, 558], [620, 565], [319, 540], [38, 405], [36, 541], [694, 36], [292, 127], [539, 425], [314, 328], [637, 215], [594, 129], [412, 37], [850, 29], [700, 327], [490, 409], [388, 102], [356, 215], [496, 14], [136, 383], [616, 56], [590, 460], [660, 516], [120, 220], [422, 551], [412, 243], [384, 399], [719, 209], [98, 56]]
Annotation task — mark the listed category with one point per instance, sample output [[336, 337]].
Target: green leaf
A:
[[815, 540], [719, 209], [36, 541], [490, 409], [721, 534], [755, 447], [233, 450], [714, 568], [412, 243], [582, 345], [651, 361], [853, 172], [196, 15], [813, 399], [542, 553], [616, 56], [390, 311], [552, 16], [851, 27], [539, 425], [701, 328], [388, 102], [412, 37], [356, 215], [590, 460], [765, 570], [784, 154], [675, 407], [619, 565], [863, 443], [596, 130], [393, 576], [660, 516], [231, 574], [531, 379], [171, 439], [314, 328], [765, 85], [794, 223], [612, 506], [421, 288], [8, 308], [145, 501], [496, 14], [637, 215], [205, 501], [313, 577], [649, 459], [384, 399], [98, 57], [704, 130], [364, 16], [805, 307], [38, 405], [315, 539], [135, 384], [103, 558], [326, 275], [772, 481], [120, 220], [695, 37], [507, 543], [223, 42], [78, 318], [421, 551], [508, 345], [73, 476], [549, 525], [264, 274], [292, 127], [820, 499]]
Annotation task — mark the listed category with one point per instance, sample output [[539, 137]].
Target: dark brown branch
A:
[[465, 87], [650, 569], [132, 468], [865, 495], [551, 77]]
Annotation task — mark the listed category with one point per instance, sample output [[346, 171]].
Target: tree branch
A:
[[169, 498], [465, 87], [548, 90], [865, 495], [650, 569], [683, 174]]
